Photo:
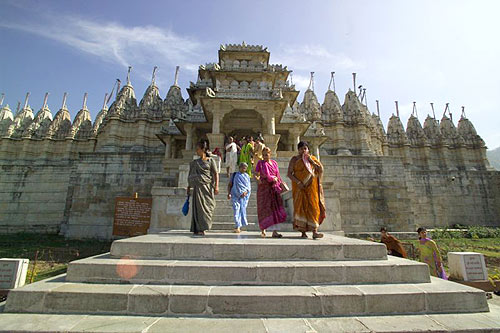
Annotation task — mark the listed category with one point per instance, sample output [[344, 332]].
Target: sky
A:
[[407, 51]]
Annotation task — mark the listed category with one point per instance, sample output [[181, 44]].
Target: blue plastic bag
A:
[[185, 208]]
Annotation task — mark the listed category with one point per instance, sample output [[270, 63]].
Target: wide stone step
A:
[[225, 226], [246, 246], [245, 301], [104, 269], [484, 322], [253, 218]]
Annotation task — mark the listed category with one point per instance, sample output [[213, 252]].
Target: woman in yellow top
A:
[[306, 172], [429, 253]]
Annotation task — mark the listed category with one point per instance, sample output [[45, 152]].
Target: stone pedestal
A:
[[166, 211], [467, 266]]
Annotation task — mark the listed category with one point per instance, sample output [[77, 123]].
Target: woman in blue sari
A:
[[239, 189]]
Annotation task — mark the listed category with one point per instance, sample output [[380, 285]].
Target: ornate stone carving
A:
[[415, 132], [22, 121], [352, 109], [151, 103], [39, 127], [467, 131], [6, 120], [125, 103], [331, 109], [395, 132], [310, 106], [174, 105], [82, 125], [432, 131], [60, 127], [98, 122], [449, 132]]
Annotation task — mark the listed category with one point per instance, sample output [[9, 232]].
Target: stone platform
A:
[[224, 280]]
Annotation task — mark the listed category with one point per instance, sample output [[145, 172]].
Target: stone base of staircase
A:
[[225, 281]]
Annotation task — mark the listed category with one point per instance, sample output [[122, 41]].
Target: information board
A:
[[474, 267], [132, 216]]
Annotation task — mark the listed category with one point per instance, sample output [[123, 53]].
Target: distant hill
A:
[[494, 157]]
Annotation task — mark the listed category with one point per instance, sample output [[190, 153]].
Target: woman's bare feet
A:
[[263, 234], [237, 230]]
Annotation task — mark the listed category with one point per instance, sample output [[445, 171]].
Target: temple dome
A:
[[40, 125], [174, 104], [61, 125], [310, 106], [331, 108], [415, 132], [352, 108], [395, 131]]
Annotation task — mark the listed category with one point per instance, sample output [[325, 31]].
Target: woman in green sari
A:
[[429, 253], [246, 155]]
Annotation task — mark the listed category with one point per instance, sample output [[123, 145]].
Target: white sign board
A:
[[467, 266], [13, 272]]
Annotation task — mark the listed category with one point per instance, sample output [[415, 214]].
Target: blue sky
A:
[[423, 51]]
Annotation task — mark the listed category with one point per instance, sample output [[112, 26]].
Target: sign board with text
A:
[[467, 266], [13, 272], [132, 216]]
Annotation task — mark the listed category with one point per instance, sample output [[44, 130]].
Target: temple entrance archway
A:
[[242, 123]]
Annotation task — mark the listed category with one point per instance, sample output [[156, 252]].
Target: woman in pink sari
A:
[[270, 209]]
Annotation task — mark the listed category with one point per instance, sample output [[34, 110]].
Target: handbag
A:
[[185, 207], [284, 187]]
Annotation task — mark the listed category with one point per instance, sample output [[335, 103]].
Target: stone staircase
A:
[[223, 275]]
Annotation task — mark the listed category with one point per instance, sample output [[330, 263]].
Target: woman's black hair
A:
[[302, 144], [203, 145], [419, 230], [383, 229]]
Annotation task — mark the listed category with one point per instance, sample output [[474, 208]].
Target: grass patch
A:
[[54, 252]]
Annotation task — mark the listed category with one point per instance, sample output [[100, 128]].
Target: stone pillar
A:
[[271, 141], [294, 140], [168, 147], [216, 140], [339, 140], [216, 123], [189, 136]]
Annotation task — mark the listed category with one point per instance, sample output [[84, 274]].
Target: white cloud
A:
[[141, 47]]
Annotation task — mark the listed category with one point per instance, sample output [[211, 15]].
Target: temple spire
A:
[[397, 108], [354, 81], [45, 99], [364, 97], [463, 112], [18, 107], [311, 82], [332, 82], [153, 78], [1, 99], [128, 75], [378, 108], [65, 96], [84, 106], [433, 113], [176, 78], [26, 100]]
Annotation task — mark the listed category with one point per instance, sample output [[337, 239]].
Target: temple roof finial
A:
[[105, 103], [176, 78], [18, 107], [446, 108], [414, 111], [354, 81], [153, 78], [332, 81], [378, 108], [63, 106], [84, 106], [463, 112], [26, 100], [45, 99], [128, 75], [1, 99], [397, 108], [311, 82], [363, 97], [433, 113]]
